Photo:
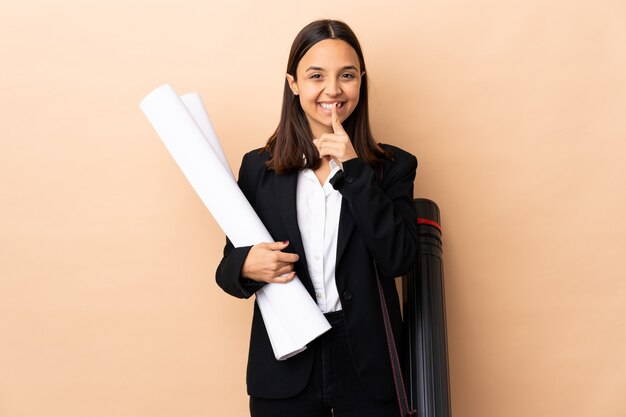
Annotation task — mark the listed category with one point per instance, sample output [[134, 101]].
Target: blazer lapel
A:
[[346, 226], [286, 197]]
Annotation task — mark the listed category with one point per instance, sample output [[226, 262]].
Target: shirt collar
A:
[[310, 175]]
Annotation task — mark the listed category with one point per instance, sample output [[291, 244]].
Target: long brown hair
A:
[[293, 137]]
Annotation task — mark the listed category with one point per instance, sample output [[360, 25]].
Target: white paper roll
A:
[[195, 106], [291, 317]]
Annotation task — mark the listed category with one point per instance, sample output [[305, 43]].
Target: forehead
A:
[[329, 54]]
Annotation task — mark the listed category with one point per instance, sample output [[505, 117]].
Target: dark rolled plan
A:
[[425, 342]]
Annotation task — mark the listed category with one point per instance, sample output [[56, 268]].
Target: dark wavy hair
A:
[[293, 137]]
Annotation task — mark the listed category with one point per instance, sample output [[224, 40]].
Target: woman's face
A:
[[328, 73]]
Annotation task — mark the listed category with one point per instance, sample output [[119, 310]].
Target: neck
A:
[[324, 169]]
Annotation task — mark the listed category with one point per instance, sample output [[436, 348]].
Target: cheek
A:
[[356, 91], [354, 97], [352, 92], [310, 92]]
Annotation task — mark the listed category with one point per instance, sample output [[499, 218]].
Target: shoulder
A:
[[254, 163], [400, 163], [256, 157], [398, 154], [252, 171]]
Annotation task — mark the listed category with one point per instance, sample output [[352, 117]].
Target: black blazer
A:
[[377, 221]]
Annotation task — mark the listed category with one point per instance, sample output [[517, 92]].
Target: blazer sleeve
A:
[[228, 273], [383, 211]]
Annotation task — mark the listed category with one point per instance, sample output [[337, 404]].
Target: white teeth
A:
[[329, 106]]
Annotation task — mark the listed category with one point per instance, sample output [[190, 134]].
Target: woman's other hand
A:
[[267, 263]]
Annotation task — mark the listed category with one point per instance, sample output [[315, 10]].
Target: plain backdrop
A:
[[515, 110]]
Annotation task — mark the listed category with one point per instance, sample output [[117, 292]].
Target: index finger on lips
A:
[[337, 127]]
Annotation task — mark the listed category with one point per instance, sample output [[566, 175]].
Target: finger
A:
[[285, 270], [286, 257], [281, 279], [337, 127], [270, 245], [332, 149], [336, 146], [277, 268], [332, 137], [318, 145], [278, 245]]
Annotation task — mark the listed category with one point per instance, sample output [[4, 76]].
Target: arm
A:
[[383, 211], [228, 273], [244, 270]]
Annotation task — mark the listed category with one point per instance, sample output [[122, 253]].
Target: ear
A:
[[292, 84]]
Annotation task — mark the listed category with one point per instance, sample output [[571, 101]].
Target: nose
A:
[[333, 88]]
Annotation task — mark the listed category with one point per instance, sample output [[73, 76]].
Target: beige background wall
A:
[[515, 109]]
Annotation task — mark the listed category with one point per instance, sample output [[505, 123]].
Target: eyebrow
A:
[[352, 67]]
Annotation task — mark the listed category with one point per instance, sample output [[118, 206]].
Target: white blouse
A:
[[318, 208]]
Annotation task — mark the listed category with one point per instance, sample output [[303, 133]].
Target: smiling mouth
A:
[[329, 106]]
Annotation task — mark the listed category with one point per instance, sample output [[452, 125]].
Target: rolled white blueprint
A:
[[291, 317], [195, 106]]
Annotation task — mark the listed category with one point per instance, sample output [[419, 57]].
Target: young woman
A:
[[338, 204]]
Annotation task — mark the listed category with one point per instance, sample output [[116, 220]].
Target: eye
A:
[[315, 76], [348, 76]]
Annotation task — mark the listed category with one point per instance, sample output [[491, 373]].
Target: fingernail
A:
[[285, 242]]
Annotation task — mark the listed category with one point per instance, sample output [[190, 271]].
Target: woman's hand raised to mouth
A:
[[336, 145]]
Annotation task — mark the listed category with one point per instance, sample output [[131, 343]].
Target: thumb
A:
[[337, 127]]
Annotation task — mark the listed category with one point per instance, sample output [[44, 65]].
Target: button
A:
[[319, 296], [347, 295], [349, 180], [317, 257]]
